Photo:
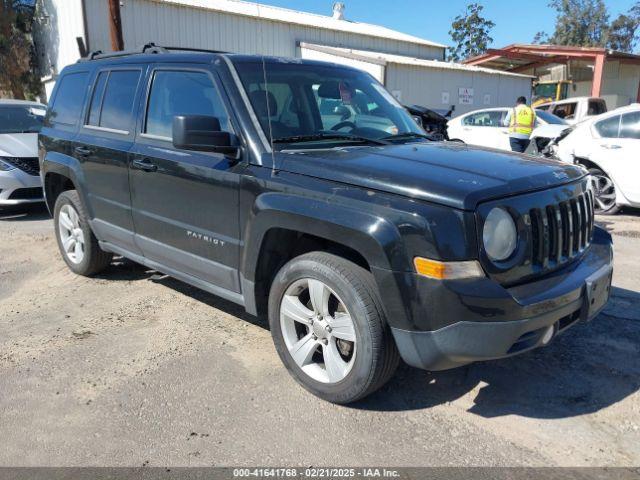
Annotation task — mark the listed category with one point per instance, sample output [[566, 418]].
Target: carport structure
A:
[[527, 58]]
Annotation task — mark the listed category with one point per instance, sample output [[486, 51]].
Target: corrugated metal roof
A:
[[285, 15], [384, 58]]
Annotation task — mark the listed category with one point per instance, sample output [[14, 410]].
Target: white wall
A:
[[425, 86], [60, 22], [146, 21]]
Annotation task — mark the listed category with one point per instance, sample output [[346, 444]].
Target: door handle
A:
[[144, 164], [83, 151]]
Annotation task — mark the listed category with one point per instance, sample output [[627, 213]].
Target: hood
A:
[[455, 175], [18, 145]]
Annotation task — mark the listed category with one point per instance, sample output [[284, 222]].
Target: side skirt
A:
[[183, 277]]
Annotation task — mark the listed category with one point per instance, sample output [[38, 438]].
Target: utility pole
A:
[[115, 26]]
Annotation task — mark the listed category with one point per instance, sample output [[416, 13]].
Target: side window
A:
[[118, 100], [630, 125], [609, 127], [565, 110], [181, 93], [67, 106], [485, 119], [96, 99]]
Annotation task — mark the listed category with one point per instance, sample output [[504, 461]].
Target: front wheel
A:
[[604, 192], [329, 328]]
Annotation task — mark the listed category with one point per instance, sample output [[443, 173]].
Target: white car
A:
[[487, 128], [609, 146], [576, 109], [20, 122]]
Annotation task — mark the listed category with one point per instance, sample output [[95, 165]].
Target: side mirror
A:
[[202, 133]]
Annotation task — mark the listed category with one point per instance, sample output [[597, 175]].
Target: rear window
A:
[[67, 105], [113, 99], [565, 110], [596, 107], [609, 127]]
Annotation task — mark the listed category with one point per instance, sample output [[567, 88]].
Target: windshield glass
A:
[[21, 119], [550, 118], [546, 90], [322, 104]]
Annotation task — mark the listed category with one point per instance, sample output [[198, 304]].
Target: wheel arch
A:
[[283, 226], [60, 173]]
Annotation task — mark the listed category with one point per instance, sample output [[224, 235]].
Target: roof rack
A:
[[149, 48]]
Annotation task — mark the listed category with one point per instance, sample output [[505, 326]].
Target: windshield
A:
[[550, 118], [324, 105], [21, 119], [546, 90]]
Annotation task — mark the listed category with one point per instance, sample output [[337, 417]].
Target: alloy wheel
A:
[[71, 234], [318, 330], [604, 192]]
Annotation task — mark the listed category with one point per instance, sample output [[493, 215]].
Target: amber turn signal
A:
[[447, 270]]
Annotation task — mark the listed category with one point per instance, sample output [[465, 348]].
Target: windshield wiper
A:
[[327, 136], [408, 135]]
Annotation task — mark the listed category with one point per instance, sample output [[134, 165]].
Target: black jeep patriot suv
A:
[[303, 191]]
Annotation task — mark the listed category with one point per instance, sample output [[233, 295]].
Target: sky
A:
[[516, 21]]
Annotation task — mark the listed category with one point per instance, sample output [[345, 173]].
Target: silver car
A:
[[20, 122]]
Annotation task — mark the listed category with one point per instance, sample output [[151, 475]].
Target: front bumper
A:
[[495, 322], [18, 187]]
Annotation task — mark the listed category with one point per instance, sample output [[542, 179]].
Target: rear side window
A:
[[67, 106], [609, 127], [630, 125], [113, 99], [181, 93]]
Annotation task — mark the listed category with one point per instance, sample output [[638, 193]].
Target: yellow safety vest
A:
[[522, 120]]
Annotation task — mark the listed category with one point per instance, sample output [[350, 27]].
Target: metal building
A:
[[414, 70]]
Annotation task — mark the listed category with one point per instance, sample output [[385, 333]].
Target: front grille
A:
[[26, 164], [26, 194], [561, 231]]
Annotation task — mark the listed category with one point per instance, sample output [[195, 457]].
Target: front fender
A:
[[375, 238]]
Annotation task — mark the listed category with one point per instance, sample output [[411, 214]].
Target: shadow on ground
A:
[[24, 213], [591, 366]]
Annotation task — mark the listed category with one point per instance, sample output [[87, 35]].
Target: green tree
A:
[[18, 72], [470, 33], [583, 23], [623, 31]]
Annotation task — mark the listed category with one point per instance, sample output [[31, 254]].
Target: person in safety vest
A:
[[520, 120]]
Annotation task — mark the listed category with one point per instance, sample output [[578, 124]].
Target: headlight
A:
[[4, 166], [499, 235]]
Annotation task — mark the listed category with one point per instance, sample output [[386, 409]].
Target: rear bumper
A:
[[18, 187], [526, 317]]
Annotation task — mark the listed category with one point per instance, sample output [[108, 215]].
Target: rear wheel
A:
[[329, 328], [604, 193], [78, 245]]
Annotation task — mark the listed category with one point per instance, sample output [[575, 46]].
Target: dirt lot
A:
[[132, 368]]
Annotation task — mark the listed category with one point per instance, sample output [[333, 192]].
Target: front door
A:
[[185, 203], [486, 129]]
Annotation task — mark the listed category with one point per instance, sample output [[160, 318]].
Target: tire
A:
[[89, 258], [601, 179], [367, 363]]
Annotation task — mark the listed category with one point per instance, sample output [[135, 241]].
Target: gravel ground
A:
[[132, 368]]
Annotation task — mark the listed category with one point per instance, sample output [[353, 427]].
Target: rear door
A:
[[102, 146], [185, 203]]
